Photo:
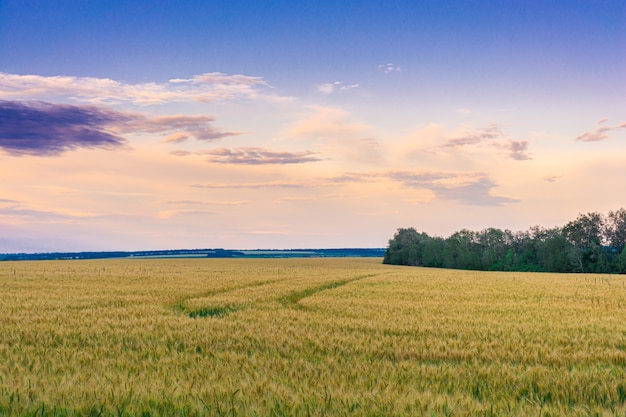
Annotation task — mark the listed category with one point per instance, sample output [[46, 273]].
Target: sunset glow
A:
[[129, 125]]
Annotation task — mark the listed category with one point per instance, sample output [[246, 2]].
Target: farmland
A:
[[331, 337]]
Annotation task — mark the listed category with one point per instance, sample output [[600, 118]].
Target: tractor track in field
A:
[[292, 300], [216, 311]]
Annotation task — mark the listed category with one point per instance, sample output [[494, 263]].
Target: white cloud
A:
[[389, 68], [348, 87], [326, 88], [204, 88], [329, 88]]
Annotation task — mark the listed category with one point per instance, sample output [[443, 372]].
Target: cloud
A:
[[335, 133], [25, 214], [229, 203], [180, 127], [326, 88], [421, 179], [254, 185], [204, 87], [183, 202], [551, 178], [351, 177], [180, 152], [470, 188], [476, 193], [472, 138], [39, 128], [467, 188], [492, 136], [258, 156], [388, 68], [517, 149], [221, 78], [329, 88], [167, 214], [17, 211], [600, 133], [293, 199], [326, 122], [8, 201], [425, 197], [367, 151], [45, 129], [204, 203]]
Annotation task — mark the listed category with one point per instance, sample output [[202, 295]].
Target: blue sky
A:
[[299, 124]]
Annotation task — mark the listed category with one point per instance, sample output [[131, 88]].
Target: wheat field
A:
[[306, 337]]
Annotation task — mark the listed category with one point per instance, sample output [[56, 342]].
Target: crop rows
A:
[[329, 337]]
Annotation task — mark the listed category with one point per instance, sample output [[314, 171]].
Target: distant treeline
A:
[[592, 243], [201, 253]]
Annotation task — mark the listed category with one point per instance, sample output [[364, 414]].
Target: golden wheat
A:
[[306, 337]]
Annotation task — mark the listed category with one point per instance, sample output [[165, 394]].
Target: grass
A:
[[323, 337]]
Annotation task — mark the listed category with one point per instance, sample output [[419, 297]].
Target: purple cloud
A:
[[257, 185], [180, 127], [15, 209], [420, 179], [600, 133], [252, 156], [517, 149], [180, 152], [490, 132], [490, 136], [43, 129], [258, 156], [467, 188], [356, 177], [476, 193]]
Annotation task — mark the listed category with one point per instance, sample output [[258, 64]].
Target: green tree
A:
[[406, 247], [586, 234], [434, 254], [616, 229], [493, 248], [590, 243], [620, 263], [463, 250]]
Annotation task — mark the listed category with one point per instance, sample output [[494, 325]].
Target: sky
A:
[[136, 125]]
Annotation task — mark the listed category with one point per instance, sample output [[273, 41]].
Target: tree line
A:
[[592, 243]]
